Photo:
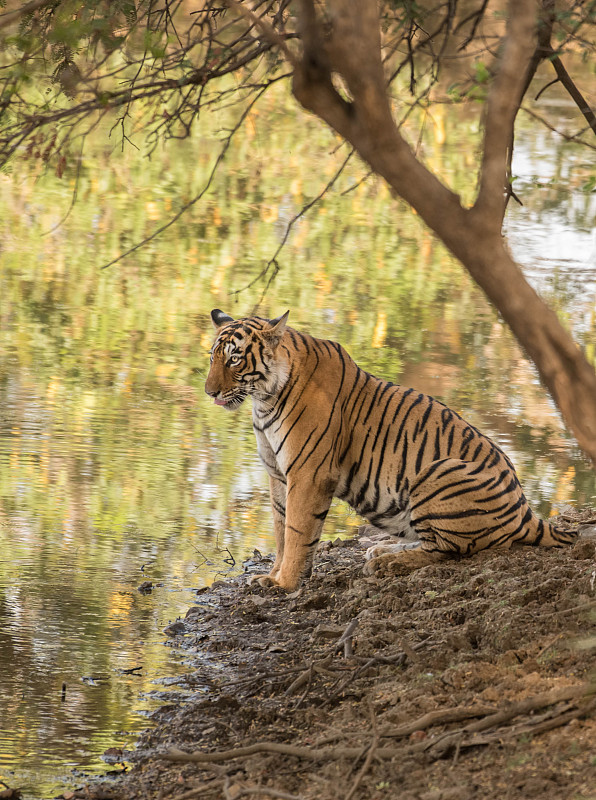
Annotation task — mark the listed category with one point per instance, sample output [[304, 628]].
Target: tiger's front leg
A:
[[305, 511], [277, 490]]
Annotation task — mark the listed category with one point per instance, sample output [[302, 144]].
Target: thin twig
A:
[[441, 716], [575, 94], [346, 638], [197, 197], [273, 260], [568, 137], [266, 29], [198, 790]]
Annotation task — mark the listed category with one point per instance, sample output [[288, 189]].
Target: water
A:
[[114, 467]]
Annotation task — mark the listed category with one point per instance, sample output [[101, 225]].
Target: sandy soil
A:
[[469, 679]]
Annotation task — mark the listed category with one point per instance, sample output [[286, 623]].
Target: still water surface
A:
[[114, 467]]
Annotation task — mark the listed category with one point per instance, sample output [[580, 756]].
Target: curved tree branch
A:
[[474, 235]]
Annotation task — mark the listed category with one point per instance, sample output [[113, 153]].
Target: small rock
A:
[[10, 794], [325, 631], [584, 549], [258, 600], [113, 755], [587, 532], [175, 628], [276, 648]]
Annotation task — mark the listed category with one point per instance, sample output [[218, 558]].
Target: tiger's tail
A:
[[541, 533]]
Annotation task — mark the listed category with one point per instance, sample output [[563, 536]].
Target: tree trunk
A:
[[348, 44]]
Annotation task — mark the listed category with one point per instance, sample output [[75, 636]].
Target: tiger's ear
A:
[[278, 326], [219, 319]]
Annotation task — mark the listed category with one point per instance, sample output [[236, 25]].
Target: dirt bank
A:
[[470, 679]]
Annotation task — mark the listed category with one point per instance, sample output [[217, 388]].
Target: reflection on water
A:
[[115, 469]]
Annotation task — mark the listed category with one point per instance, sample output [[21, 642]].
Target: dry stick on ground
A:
[[280, 676], [303, 669], [346, 638], [307, 675], [267, 791], [440, 717], [566, 611], [280, 748], [443, 742], [457, 742], [549, 644], [304, 694], [320, 666]]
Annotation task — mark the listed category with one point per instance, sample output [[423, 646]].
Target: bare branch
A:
[[574, 92], [568, 138], [502, 105], [266, 29]]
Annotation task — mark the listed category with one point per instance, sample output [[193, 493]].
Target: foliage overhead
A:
[[153, 67]]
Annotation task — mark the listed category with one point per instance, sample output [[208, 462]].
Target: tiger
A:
[[325, 428]]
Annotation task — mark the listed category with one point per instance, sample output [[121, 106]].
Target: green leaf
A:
[[482, 75]]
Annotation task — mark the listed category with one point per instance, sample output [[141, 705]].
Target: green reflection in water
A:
[[115, 468]]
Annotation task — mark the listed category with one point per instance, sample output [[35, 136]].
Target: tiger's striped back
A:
[[403, 460]]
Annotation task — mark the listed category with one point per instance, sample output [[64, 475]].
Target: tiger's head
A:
[[245, 359]]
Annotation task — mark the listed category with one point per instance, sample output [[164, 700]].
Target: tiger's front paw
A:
[[263, 580], [271, 582]]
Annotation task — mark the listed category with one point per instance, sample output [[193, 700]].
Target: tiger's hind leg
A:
[[457, 508], [397, 535], [401, 558]]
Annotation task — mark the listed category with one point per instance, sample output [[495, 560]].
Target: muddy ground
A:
[[468, 679]]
